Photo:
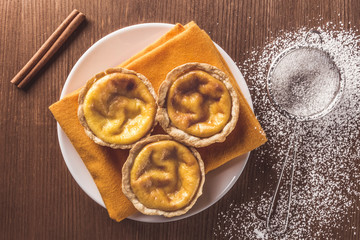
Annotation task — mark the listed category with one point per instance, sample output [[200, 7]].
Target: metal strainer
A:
[[303, 84]]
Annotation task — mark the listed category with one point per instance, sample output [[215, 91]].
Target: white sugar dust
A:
[[326, 189]]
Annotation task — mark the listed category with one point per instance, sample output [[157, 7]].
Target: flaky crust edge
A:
[[180, 135], [86, 88], [126, 187]]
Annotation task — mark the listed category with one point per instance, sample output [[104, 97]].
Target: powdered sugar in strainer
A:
[[303, 84]]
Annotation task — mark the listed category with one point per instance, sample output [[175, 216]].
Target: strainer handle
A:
[[274, 197]]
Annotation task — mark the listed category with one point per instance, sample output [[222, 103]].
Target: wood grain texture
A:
[[39, 199]]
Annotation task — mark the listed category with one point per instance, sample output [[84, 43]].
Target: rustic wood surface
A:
[[39, 198]]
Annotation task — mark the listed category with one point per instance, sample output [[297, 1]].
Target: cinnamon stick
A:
[[48, 49]]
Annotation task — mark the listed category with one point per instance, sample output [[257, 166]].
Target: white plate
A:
[[110, 51]]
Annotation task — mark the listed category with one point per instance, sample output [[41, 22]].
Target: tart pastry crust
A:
[[111, 108], [163, 181], [226, 105]]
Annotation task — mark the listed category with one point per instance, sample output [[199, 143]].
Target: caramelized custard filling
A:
[[165, 176], [119, 108], [199, 104]]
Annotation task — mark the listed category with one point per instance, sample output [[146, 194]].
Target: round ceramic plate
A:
[[110, 51]]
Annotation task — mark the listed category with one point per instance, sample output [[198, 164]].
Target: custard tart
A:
[[117, 108], [162, 176], [198, 104]]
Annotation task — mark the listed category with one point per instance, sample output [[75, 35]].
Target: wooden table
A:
[[39, 198]]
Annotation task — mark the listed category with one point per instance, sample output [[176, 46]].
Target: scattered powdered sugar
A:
[[326, 188]]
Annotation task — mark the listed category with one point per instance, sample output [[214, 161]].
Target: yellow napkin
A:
[[182, 44]]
